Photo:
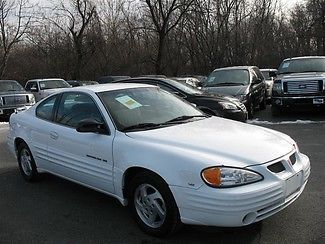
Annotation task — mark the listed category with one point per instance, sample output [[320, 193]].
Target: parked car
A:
[[13, 97], [164, 158], [75, 83], [110, 79], [219, 105], [269, 75], [154, 76], [244, 82], [41, 88], [188, 80], [300, 83]]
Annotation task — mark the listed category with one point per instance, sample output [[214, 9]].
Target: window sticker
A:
[[285, 65], [128, 102], [42, 85]]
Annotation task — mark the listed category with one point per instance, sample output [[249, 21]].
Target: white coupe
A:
[[165, 159]]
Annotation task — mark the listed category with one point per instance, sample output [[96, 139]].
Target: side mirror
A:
[[256, 81], [34, 89], [92, 126]]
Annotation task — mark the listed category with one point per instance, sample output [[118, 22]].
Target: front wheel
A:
[[263, 104], [26, 163], [250, 110], [152, 205]]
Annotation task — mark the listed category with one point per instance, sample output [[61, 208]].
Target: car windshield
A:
[[10, 86], [51, 84], [227, 77], [184, 87], [302, 65], [147, 108]]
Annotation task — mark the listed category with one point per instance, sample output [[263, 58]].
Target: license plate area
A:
[[318, 101], [293, 183]]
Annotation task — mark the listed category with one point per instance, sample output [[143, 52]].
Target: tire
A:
[[26, 163], [152, 205], [250, 110], [275, 111], [263, 104]]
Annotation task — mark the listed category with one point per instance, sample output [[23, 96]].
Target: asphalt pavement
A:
[[54, 210]]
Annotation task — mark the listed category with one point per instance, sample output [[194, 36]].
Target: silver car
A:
[[269, 75], [41, 88]]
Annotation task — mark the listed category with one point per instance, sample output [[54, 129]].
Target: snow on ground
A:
[[264, 122], [4, 123]]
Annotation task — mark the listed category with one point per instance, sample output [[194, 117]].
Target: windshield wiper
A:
[[226, 83], [140, 126], [186, 117]]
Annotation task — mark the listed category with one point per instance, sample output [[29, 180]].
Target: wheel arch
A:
[[17, 142], [130, 173]]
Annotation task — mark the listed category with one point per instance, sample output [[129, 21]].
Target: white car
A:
[[42, 88], [164, 158]]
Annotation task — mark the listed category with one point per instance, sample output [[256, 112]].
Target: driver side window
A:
[[75, 108]]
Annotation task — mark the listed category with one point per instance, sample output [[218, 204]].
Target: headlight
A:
[[32, 99], [242, 98], [277, 86], [223, 177], [227, 105]]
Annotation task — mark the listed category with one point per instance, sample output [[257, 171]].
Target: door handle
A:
[[54, 135]]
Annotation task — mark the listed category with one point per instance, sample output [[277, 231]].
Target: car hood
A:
[[218, 97], [320, 75], [227, 90], [220, 140], [14, 93]]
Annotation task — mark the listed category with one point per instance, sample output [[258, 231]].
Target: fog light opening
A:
[[249, 218]]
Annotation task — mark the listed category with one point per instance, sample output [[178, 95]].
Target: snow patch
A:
[[264, 122], [4, 123]]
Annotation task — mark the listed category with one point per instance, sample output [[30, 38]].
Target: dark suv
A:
[[300, 83], [247, 83]]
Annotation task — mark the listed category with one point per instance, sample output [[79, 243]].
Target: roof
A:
[[268, 70], [303, 57], [235, 67], [107, 87], [45, 79]]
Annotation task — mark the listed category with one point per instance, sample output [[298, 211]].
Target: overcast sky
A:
[[286, 3]]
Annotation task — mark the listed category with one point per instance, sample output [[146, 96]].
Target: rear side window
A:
[[46, 108], [75, 108]]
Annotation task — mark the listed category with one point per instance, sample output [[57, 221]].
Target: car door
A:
[[82, 157], [32, 86], [40, 134]]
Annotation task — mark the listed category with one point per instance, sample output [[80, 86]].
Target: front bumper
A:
[[239, 206], [7, 111], [299, 101]]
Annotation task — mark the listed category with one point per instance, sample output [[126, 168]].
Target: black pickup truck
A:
[[13, 97], [300, 83]]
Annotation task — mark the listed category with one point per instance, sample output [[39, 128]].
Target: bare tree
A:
[[165, 15], [15, 19], [73, 18]]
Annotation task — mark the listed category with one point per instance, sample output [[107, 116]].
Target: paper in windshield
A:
[[128, 102]]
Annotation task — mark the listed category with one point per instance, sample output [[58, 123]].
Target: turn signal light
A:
[[212, 176]]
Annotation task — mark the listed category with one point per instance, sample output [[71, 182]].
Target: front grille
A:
[[15, 100], [302, 87]]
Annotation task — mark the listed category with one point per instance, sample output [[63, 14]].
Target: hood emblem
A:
[[302, 86]]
